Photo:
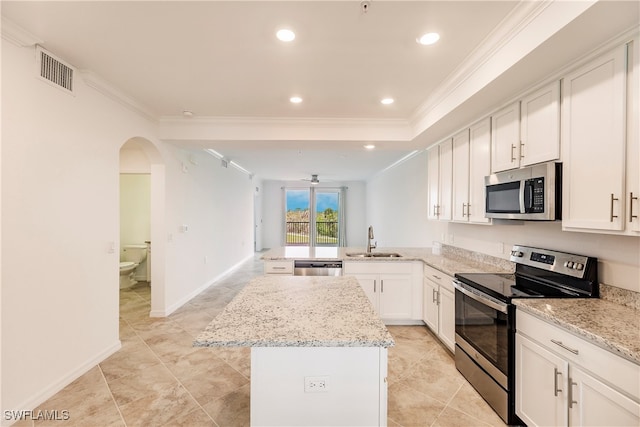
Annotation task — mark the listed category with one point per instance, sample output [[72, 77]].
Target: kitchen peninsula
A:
[[318, 350]]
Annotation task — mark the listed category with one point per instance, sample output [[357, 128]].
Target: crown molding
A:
[[17, 35], [495, 54], [97, 83]]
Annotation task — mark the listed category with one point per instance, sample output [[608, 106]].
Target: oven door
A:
[[482, 331]]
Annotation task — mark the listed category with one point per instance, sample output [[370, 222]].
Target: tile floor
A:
[[159, 379]]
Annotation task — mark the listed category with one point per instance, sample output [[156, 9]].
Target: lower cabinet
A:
[[278, 267], [391, 288], [438, 305], [563, 380]]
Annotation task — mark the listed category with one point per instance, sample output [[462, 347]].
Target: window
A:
[[313, 217]]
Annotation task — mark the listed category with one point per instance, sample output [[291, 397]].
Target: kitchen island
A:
[[318, 350]]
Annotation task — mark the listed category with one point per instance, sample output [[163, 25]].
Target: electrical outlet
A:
[[316, 384]]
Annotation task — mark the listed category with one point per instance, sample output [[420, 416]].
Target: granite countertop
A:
[[449, 263], [288, 311], [611, 326]]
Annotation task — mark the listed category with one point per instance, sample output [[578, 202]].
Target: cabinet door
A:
[[461, 176], [540, 126], [633, 137], [446, 178], [433, 181], [447, 318], [371, 286], [593, 140], [430, 306], [505, 138], [541, 390], [479, 167], [596, 404], [395, 296]]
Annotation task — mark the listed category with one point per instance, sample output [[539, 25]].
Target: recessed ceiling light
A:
[[369, 146], [386, 101], [429, 38], [285, 35], [187, 113], [295, 100]]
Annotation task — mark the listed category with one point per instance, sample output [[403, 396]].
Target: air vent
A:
[[54, 71]]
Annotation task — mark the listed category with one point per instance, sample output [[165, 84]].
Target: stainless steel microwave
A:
[[531, 193]]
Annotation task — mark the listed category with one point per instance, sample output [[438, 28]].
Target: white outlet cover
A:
[[318, 384]]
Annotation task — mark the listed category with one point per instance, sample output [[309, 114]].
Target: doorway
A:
[[312, 217], [140, 158]]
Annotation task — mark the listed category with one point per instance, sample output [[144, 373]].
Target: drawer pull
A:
[[437, 277], [556, 390], [559, 343], [278, 268]]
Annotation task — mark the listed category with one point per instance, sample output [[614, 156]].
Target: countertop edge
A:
[[603, 342]]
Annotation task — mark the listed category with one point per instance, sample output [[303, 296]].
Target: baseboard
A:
[[54, 388], [182, 301]]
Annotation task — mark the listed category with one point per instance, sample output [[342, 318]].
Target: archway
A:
[[140, 156]]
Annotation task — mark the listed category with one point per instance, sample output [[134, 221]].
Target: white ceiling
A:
[[221, 61]]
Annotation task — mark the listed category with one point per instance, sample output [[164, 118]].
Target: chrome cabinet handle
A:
[[438, 298], [468, 210], [631, 199], [571, 401], [374, 286], [433, 296], [559, 343], [556, 390], [611, 213], [513, 157], [434, 210], [381, 286], [521, 150], [463, 205]]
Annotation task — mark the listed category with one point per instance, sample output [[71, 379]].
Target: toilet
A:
[[132, 256]]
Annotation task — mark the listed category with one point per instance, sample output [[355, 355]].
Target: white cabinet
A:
[[633, 138], [391, 288], [528, 131], [505, 138], [593, 140], [439, 305], [278, 267], [439, 175], [562, 379], [540, 126], [471, 163]]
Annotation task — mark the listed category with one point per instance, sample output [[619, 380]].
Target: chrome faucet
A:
[[369, 245]]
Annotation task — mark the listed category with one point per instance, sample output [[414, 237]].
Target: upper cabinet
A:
[[439, 176], [528, 131], [505, 138], [540, 126], [471, 163], [594, 145]]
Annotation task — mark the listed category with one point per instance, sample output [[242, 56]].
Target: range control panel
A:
[[545, 259]]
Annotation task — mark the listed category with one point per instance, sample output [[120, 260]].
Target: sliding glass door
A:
[[312, 216]]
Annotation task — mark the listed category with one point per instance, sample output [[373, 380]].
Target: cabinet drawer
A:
[[278, 267], [620, 373], [438, 277], [373, 267]]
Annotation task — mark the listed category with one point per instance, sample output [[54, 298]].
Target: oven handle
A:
[[486, 301]]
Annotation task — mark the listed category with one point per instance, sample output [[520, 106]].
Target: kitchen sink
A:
[[374, 255]]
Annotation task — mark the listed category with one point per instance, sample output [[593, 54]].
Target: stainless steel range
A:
[[485, 316]]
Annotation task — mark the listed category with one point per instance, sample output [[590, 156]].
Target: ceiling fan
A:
[[314, 179]]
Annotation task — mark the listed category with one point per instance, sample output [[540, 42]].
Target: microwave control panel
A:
[[534, 195]]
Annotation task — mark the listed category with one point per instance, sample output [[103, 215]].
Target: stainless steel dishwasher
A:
[[317, 268]]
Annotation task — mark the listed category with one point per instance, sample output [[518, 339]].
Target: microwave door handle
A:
[[523, 185]]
